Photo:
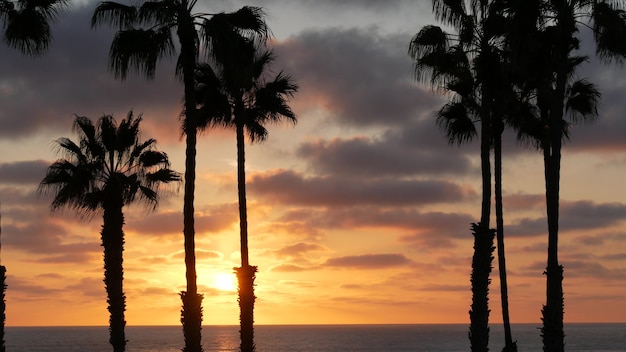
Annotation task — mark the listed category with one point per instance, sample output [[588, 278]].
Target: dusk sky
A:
[[359, 213]]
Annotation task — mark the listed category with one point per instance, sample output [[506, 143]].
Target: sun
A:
[[225, 282]]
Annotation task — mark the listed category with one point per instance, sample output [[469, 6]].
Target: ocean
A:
[[311, 338]]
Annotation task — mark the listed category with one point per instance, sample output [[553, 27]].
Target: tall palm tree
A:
[[550, 30], [145, 36], [467, 68], [107, 169], [237, 91], [27, 23]]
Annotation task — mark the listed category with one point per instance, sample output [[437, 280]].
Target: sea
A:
[[312, 338]]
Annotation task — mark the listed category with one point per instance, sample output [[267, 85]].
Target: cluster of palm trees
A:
[[224, 66], [513, 63]]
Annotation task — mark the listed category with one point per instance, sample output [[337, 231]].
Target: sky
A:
[[359, 213]]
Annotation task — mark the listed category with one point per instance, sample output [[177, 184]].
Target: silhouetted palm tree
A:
[[237, 91], [546, 34], [27, 23], [136, 48], [471, 69], [107, 169]]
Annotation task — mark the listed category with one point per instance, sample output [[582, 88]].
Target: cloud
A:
[[298, 249], [290, 187], [50, 242], [574, 215], [212, 219], [200, 254], [22, 287], [359, 75], [287, 268], [43, 93], [369, 157], [23, 172], [368, 261]]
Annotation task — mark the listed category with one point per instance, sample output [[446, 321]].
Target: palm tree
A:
[[470, 70], [27, 23], [550, 32], [236, 91], [107, 169], [139, 49]]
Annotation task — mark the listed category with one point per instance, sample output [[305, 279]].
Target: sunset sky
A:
[[360, 213]]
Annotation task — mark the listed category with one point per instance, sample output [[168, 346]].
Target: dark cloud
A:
[[23, 172], [590, 269], [369, 157], [368, 261], [18, 202], [415, 228], [289, 187], [48, 241], [43, 93], [578, 215], [615, 257], [25, 287], [361, 76]]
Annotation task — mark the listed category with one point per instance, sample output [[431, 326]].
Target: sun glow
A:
[[225, 282]]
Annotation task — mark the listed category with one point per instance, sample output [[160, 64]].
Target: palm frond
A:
[[256, 131], [139, 50], [449, 11], [609, 28], [456, 122], [582, 100], [428, 42], [114, 14], [225, 32], [249, 21], [163, 175], [215, 108], [160, 13], [151, 158], [28, 31]]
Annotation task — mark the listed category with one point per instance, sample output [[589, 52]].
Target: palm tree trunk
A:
[[552, 331], [481, 269], [3, 285], [112, 235], [483, 244], [509, 344], [191, 314], [245, 274], [245, 279], [241, 191]]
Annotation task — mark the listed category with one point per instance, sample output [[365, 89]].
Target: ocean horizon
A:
[[587, 337]]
